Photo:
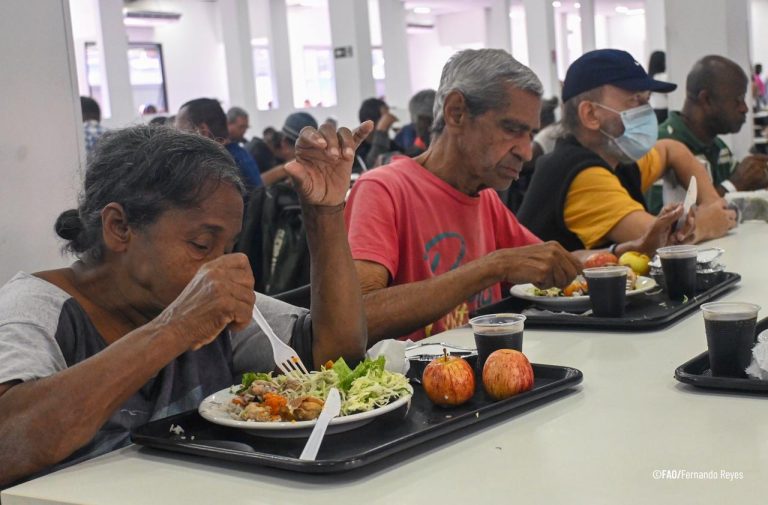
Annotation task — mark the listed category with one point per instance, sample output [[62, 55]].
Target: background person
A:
[[285, 150], [92, 129], [414, 137], [237, 124], [206, 117], [378, 142], [715, 104], [588, 193]]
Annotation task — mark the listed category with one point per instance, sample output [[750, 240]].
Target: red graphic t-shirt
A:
[[418, 226]]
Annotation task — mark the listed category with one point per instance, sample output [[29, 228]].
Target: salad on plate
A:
[[263, 397]]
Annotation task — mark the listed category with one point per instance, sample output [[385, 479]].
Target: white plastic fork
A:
[[331, 409], [286, 358]]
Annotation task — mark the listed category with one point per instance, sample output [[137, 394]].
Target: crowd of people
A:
[[155, 314]]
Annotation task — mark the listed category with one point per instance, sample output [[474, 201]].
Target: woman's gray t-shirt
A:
[[43, 330]]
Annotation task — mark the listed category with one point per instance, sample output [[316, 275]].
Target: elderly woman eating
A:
[[156, 313]]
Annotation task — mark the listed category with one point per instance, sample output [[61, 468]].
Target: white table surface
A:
[[600, 444]]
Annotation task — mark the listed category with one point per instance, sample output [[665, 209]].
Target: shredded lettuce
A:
[[365, 388]]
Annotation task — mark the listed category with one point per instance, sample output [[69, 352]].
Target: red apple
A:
[[600, 259], [448, 381], [506, 373]]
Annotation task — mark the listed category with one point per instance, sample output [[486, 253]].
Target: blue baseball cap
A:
[[609, 66]]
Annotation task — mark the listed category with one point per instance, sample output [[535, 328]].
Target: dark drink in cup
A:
[[497, 331], [607, 290], [679, 265], [730, 328], [488, 342]]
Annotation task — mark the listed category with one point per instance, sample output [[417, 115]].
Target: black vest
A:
[[544, 203]]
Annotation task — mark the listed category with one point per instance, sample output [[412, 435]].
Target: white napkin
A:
[[394, 354], [758, 369]]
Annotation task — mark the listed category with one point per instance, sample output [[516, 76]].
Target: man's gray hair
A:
[[422, 104], [481, 75], [571, 122], [235, 112]]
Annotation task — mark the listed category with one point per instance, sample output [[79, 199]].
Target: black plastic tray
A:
[[387, 435], [696, 373], [646, 311]]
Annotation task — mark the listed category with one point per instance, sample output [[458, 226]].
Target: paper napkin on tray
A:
[[394, 353], [758, 369]]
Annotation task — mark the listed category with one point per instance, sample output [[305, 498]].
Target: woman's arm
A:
[[321, 174]]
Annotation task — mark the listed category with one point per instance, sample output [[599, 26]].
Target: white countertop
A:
[[600, 444]]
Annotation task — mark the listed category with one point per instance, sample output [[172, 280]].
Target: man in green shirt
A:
[[715, 104]]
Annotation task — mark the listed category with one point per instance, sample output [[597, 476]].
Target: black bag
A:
[[274, 239]]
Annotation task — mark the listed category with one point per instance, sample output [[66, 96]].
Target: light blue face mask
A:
[[641, 131]]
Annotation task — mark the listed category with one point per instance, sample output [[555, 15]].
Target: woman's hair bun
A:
[[68, 225]]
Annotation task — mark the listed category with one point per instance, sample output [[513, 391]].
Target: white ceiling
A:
[[439, 7]]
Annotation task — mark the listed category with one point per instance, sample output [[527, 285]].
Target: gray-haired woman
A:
[[139, 327]]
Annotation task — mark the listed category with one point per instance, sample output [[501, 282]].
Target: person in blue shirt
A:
[[206, 117]]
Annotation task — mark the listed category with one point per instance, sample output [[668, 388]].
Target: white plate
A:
[[572, 303], [214, 409]]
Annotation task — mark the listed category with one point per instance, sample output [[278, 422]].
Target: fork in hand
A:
[[286, 358]]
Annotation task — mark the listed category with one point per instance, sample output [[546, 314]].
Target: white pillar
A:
[[587, 15], [117, 94], [354, 75], [236, 33], [394, 44], [655, 24], [696, 28], [42, 136], [281, 54], [498, 33], [540, 30]]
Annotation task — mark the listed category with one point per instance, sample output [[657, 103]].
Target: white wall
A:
[[462, 29], [84, 29], [193, 51], [759, 32], [39, 154], [519, 34], [429, 50], [627, 33], [427, 59]]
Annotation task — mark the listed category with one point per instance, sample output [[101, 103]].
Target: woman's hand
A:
[[219, 295], [323, 164]]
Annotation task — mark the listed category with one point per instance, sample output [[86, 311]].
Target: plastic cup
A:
[[607, 290], [497, 331], [730, 328], [679, 265]]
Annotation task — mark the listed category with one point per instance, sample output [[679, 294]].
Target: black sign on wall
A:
[[342, 52]]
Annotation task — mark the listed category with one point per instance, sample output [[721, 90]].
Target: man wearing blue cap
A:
[[588, 193]]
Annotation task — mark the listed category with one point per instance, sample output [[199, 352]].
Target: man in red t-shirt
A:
[[430, 238]]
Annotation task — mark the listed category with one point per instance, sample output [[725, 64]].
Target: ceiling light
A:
[[421, 10], [634, 12], [621, 9], [557, 4], [577, 5]]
